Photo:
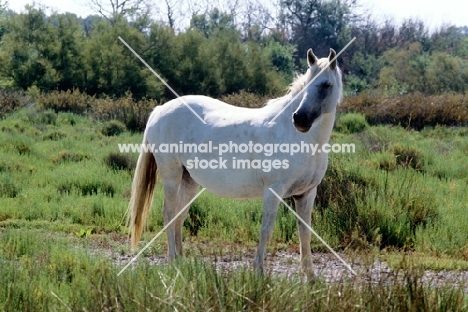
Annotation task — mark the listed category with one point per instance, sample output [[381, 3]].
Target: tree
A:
[[213, 22], [318, 24], [68, 58], [28, 47], [112, 69], [132, 10]]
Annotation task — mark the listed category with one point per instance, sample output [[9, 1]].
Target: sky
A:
[[433, 13]]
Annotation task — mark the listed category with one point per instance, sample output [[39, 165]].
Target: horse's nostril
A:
[[299, 119]]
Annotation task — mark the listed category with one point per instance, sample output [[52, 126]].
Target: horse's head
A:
[[319, 94]]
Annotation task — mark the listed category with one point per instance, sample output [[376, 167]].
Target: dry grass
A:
[[414, 110]]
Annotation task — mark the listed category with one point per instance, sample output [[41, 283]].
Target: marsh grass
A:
[[58, 277]]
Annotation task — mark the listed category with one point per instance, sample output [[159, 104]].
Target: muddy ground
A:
[[326, 266]]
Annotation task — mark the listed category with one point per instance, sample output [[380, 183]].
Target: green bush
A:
[[113, 127], [384, 160], [87, 187], [196, 219], [48, 117], [384, 210], [8, 188], [23, 145], [391, 213], [408, 156], [54, 135], [338, 197], [351, 123], [119, 161], [68, 156]]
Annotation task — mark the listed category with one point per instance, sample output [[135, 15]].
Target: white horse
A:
[[308, 119]]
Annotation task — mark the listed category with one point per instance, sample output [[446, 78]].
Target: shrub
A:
[[67, 119], [11, 101], [48, 117], [392, 212], [22, 145], [338, 196], [87, 187], [385, 160], [196, 219], [408, 156], [67, 156], [351, 123], [385, 210], [113, 127], [54, 135], [413, 110], [64, 101], [8, 189], [245, 99], [119, 161], [134, 114], [375, 140]]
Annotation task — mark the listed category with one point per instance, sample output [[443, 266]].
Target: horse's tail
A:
[[144, 182]]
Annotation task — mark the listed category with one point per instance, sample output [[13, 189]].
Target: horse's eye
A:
[[326, 85]]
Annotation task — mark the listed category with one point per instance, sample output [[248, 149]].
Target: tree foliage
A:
[[224, 52]]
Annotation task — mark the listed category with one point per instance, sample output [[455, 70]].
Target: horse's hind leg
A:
[[304, 206], [170, 208], [270, 208], [188, 190]]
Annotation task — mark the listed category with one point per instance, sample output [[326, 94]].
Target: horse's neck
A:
[[281, 108], [322, 128]]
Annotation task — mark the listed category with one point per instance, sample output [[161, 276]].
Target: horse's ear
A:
[[311, 58], [331, 56]]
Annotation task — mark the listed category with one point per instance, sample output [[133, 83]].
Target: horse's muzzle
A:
[[303, 122]]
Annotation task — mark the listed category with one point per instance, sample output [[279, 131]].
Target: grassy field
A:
[[64, 190]]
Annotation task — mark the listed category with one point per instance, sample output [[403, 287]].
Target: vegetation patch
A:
[[409, 157], [8, 188], [245, 99], [11, 101], [113, 127], [87, 187], [54, 135], [413, 110], [68, 156], [120, 161], [72, 101], [351, 123]]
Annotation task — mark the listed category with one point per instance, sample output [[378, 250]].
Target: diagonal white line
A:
[[315, 77], [313, 232], [162, 80], [160, 232], [61, 301]]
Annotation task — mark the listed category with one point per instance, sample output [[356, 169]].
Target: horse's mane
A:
[[301, 81], [296, 86]]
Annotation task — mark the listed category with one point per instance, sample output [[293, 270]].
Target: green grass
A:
[[64, 192]]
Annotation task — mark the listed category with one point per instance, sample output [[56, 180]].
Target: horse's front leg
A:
[[304, 205], [270, 208]]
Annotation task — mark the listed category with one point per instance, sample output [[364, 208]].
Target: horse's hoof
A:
[[311, 278]]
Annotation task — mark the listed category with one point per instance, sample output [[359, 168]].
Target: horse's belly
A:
[[240, 185]]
